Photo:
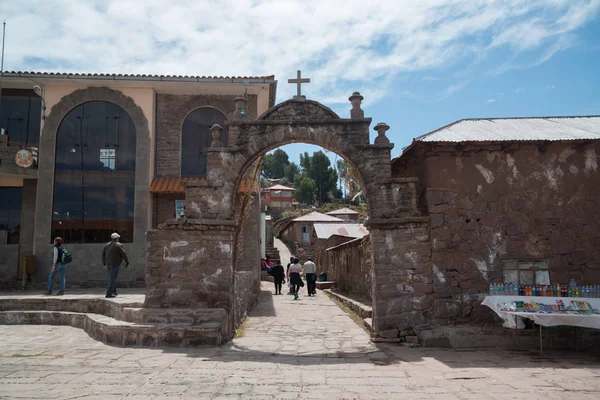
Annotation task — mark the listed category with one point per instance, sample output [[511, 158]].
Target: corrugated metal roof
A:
[[317, 217], [516, 129], [348, 243], [279, 187], [324, 231], [342, 211], [71, 75], [170, 185]]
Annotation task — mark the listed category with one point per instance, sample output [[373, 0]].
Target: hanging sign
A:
[[24, 158], [179, 209]]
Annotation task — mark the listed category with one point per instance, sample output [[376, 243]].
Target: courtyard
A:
[[286, 349]]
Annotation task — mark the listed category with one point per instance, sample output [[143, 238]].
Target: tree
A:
[[305, 189], [351, 178], [274, 164], [319, 169], [290, 172], [342, 167]]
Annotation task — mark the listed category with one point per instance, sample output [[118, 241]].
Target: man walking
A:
[[310, 271], [112, 257]]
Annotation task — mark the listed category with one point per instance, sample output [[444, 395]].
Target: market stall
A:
[[546, 311]]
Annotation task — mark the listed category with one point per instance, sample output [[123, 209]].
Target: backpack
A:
[[65, 256]]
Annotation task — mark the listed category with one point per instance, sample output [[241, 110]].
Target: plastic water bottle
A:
[[491, 289]]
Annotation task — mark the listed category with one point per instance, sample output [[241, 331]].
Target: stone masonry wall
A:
[[491, 204], [350, 267], [171, 113], [247, 265], [164, 207], [189, 265]]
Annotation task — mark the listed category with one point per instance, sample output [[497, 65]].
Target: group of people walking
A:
[[113, 255], [294, 276]]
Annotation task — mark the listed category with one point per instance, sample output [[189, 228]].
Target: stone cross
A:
[[299, 81]]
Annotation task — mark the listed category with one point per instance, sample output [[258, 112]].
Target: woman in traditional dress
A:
[[295, 278]]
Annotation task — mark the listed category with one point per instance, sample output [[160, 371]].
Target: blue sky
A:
[[419, 64]]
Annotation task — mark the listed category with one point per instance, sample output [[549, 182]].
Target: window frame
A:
[[524, 267]]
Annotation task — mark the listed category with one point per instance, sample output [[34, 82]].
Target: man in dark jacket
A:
[[112, 257], [278, 274]]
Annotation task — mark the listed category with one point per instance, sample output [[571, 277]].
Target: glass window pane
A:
[[196, 136], [511, 264], [542, 277], [525, 265], [21, 116], [95, 174], [511, 275], [10, 214], [526, 277]]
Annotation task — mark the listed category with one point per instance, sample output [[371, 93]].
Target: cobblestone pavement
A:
[[305, 349]]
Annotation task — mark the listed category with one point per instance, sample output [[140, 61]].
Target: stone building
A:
[[348, 264], [344, 213], [327, 235], [298, 232], [505, 198], [115, 152]]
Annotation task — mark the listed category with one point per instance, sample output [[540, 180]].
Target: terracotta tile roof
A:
[[71, 75], [171, 185]]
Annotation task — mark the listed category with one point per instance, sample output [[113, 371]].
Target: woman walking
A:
[[278, 276], [57, 266], [295, 278]]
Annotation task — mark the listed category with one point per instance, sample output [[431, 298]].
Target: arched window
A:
[[195, 137], [94, 174]]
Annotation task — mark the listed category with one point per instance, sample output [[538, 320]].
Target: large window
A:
[[95, 174], [526, 272], [195, 137], [20, 117], [10, 214]]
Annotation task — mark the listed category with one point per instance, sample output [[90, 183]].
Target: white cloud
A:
[[551, 87], [341, 45], [491, 100], [518, 90]]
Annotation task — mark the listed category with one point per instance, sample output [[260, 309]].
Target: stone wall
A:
[[349, 265], [247, 263], [164, 207], [171, 113], [189, 265], [489, 204]]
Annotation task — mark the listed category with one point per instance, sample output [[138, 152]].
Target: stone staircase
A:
[[121, 323], [273, 254]]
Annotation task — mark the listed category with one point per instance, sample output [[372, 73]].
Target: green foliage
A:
[[290, 172], [352, 183], [274, 164], [289, 214], [305, 189], [319, 169]]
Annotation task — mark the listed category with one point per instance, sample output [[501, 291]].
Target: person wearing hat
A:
[[113, 255]]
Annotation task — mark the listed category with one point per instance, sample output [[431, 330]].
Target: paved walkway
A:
[[284, 252], [305, 349]]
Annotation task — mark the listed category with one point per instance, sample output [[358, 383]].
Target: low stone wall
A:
[[349, 266]]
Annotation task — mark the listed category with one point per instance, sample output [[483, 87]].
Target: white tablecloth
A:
[[587, 321]]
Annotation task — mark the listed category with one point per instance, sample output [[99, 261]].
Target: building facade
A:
[[112, 153]]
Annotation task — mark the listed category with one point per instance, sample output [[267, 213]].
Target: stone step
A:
[[183, 316], [122, 333], [324, 284]]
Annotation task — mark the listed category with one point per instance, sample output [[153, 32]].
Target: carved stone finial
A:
[[356, 112], [215, 131], [240, 107], [381, 128]]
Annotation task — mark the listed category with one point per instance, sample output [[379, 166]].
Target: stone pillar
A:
[[189, 265]]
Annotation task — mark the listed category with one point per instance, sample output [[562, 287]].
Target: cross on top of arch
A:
[[299, 81]]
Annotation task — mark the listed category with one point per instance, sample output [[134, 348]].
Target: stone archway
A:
[[191, 261]]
